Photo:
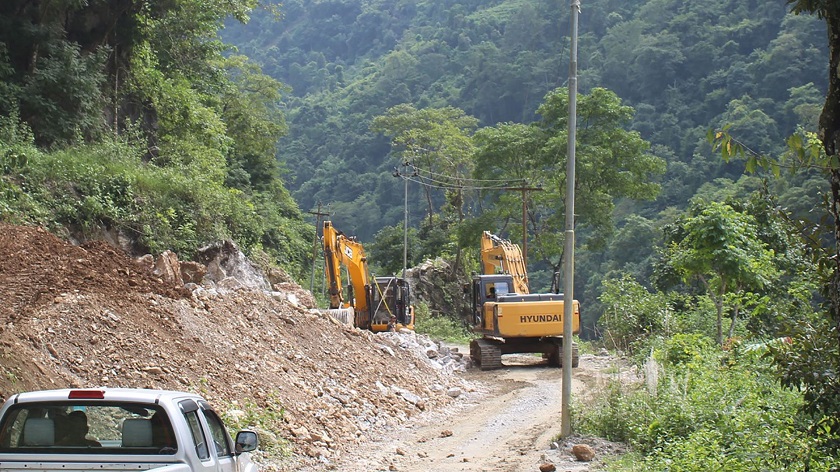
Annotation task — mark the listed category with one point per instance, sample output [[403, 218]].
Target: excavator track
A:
[[486, 354], [555, 358]]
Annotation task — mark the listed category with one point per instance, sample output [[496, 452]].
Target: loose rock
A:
[[583, 452]]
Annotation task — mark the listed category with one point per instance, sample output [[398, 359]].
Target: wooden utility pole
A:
[[405, 175], [524, 191]]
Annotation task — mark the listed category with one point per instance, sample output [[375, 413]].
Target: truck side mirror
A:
[[246, 441]]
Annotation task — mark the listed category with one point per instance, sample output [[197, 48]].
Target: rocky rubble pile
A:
[[440, 357], [85, 316]]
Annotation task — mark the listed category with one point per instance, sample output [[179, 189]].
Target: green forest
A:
[[707, 182]]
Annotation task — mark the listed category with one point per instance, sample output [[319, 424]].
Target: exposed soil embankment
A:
[[84, 316]]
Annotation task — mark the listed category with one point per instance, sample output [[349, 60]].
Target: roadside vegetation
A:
[[264, 419], [90, 190], [441, 328], [698, 407], [126, 131], [735, 355]]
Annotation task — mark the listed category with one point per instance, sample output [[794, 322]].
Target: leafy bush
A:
[[683, 349], [263, 419], [88, 188], [809, 362], [440, 327], [614, 415], [703, 414], [633, 313]]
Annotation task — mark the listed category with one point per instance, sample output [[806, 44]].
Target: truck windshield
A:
[[86, 427]]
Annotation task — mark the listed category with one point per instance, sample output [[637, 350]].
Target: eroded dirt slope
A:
[[84, 316]]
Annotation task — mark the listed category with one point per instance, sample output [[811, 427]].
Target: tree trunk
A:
[[830, 137], [735, 313], [718, 301]]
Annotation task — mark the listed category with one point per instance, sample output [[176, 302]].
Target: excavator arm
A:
[[500, 256], [333, 265], [379, 303], [340, 250]]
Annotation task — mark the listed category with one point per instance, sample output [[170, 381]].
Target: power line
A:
[[421, 171], [447, 186], [459, 183]]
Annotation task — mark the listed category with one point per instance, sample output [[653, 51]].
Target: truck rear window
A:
[[87, 427]]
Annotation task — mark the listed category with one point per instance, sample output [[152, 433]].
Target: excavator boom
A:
[[341, 250], [500, 256]]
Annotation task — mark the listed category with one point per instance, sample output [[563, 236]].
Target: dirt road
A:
[[507, 425]]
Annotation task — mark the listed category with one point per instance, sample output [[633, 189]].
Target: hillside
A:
[[677, 70], [684, 67], [84, 316]]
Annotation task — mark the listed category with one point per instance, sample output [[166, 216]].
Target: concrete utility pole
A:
[[569, 248], [318, 216]]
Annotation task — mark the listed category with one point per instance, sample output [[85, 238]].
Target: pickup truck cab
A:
[[118, 429]]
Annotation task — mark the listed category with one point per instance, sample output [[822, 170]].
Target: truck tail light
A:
[[86, 395]]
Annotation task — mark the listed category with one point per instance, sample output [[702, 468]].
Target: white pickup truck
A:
[[118, 429]]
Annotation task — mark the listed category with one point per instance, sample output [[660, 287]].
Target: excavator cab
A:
[[488, 288], [391, 304]]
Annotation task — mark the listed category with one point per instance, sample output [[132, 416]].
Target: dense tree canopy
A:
[[150, 81], [612, 163]]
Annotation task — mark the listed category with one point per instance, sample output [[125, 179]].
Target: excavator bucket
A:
[[342, 315]]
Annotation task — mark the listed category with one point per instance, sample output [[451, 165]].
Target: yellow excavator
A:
[[509, 317], [376, 303]]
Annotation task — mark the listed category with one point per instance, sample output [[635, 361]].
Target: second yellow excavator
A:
[[377, 303], [508, 317]]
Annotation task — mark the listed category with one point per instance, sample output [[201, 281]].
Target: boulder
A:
[[168, 268], [434, 283], [224, 260], [193, 272], [583, 452]]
